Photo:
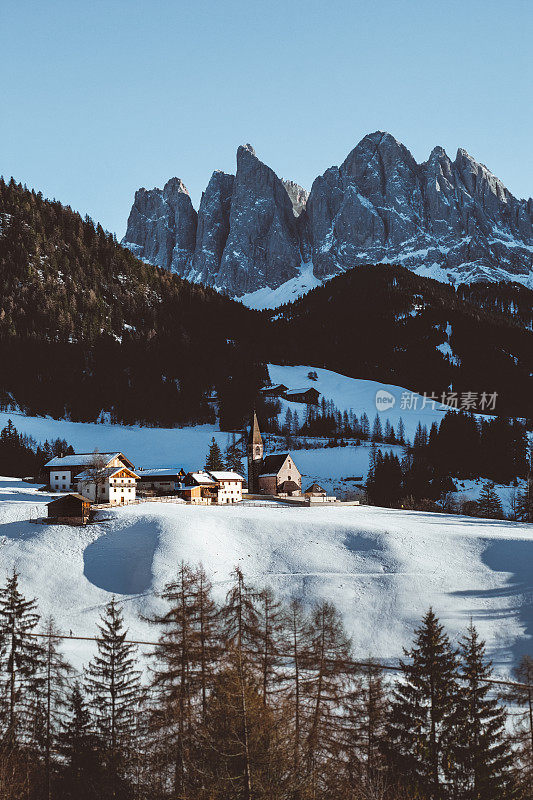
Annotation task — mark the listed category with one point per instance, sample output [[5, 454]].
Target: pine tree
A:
[[365, 426], [21, 659], [489, 504], [367, 707], [214, 457], [377, 431], [271, 629], [329, 648], [481, 760], [401, 431], [521, 698], [233, 457], [54, 681], [420, 721], [113, 683], [187, 649], [525, 501], [81, 776]]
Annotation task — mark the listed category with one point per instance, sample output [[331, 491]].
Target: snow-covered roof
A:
[[106, 472], [226, 476], [303, 390], [273, 387], [202, 477], [75, 495], [80, 459], [160, 472]]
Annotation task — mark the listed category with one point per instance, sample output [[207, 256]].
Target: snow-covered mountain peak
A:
[[449, 220]]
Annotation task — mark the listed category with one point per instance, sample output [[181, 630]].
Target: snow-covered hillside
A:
[[360, 395], [382, 568]]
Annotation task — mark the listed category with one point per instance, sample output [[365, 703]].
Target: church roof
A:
[[272, 464], [289, 486], [255, 433]]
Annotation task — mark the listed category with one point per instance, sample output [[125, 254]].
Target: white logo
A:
[[384, 400]]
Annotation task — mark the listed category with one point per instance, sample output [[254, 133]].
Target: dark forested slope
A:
[[85, 326], [385, 323]]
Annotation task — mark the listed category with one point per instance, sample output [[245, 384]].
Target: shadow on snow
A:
[[121, 561]]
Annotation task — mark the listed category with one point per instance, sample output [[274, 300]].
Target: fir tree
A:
[[233, 458], [377, 431], [481, 759], [401, 431], [420, 722], [214, 457], [489, 504], [113, 684], [81, 777], [525, 501], [365, 426], [54, 680], [521, 697], [187, 649], [21, 659], [329, 648]]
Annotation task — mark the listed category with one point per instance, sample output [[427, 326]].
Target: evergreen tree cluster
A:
[[21, 455], [252, 699], [461, 447]]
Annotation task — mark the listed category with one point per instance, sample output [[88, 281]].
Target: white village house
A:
[[100, 477]]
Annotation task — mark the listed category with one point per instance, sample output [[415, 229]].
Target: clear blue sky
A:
[[103, 96]]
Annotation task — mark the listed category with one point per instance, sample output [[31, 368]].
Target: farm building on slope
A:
[[69, 509]]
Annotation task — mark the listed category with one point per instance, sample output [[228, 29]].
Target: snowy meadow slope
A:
[[381, 567]]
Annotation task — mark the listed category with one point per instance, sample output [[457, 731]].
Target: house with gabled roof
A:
[[100, 477], [63, 470], [115, 486]]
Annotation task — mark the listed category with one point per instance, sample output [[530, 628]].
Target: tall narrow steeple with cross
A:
[[254, 452]]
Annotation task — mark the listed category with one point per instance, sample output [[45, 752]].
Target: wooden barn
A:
[[307, 395], [70, 509], [274, 390]]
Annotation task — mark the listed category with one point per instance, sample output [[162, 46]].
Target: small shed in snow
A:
[[70, 509], [315, 490]]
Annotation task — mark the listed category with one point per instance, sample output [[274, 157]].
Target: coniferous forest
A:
[[253, 699]]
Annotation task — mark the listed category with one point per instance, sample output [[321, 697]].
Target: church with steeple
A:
[[274, 474]]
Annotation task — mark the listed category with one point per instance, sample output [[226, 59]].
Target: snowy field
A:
[[382, 568]]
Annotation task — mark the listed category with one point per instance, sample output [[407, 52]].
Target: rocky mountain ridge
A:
[[449, 220]]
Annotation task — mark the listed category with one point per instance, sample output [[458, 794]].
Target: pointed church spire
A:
[[255, 433]]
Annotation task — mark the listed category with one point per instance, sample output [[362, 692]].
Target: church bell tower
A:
[[254, 452]]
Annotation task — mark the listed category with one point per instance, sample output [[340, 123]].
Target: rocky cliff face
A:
[[162, 226], [263, 248], [451, 220]]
